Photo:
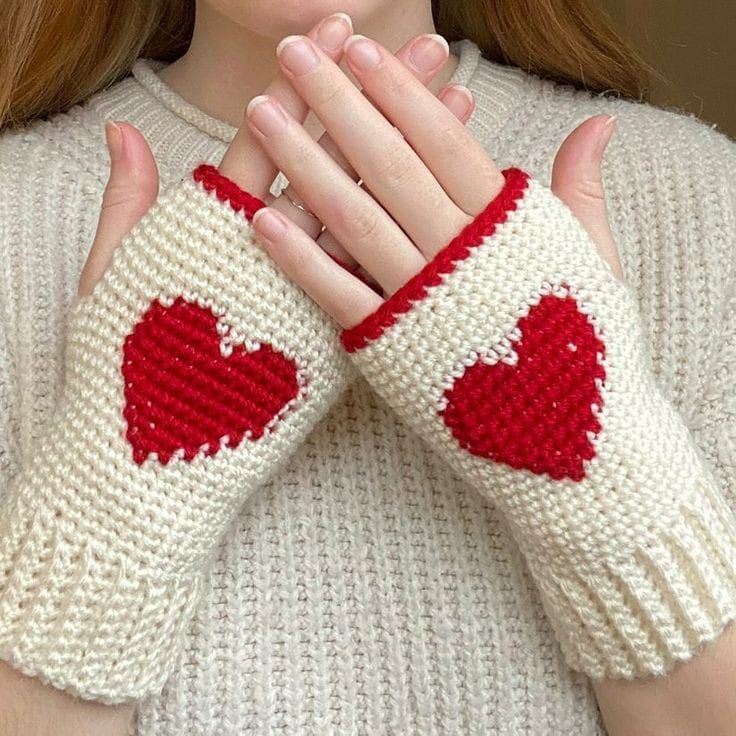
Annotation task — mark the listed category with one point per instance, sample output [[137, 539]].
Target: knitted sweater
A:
[[366, 588]]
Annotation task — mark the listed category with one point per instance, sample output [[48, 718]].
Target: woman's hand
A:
[[424, 187], [133, 184]]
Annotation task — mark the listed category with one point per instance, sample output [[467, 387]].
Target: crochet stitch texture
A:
[[366, 588], [518, 356], [195, 370]]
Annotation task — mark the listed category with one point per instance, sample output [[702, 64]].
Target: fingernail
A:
[[269, 223], [428, 52], [115, 140], [457, 99], [266, 115], [297, 54], [362, 53], [607, 131], [334, 31]]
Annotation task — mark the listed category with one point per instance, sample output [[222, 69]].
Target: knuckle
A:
[[327, 96], [590, 191], [363, 224], [449, 141], [395, 170], [115, 197], [395, 174]]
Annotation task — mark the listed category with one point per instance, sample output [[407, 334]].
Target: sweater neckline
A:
[[495, 88]]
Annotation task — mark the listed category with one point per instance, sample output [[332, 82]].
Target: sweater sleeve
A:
[[194, 370], [714, 415], [8, 451], [520, 358]]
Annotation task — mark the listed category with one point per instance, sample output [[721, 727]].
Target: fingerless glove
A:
[[518, 356], [194, 370]]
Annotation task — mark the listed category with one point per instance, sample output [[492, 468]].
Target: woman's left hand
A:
[[428, 177]]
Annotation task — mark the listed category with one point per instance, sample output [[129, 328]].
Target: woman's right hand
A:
[[133, 185]]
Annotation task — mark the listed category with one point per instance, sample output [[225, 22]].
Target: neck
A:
[[228, 64]]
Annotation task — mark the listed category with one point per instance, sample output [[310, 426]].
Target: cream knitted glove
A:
[[193, 371], [519, 356]]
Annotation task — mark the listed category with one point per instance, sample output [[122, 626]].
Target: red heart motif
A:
[[182, 394], [537, 413]]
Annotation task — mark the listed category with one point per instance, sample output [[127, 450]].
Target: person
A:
[[433, 432]]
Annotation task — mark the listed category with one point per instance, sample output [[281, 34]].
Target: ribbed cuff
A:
[[659, 607], [83, 622]]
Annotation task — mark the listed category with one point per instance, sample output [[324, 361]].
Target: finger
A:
[[444, 145], [332, 246], [424, 64], [350, 213], [245, 161], [357, 271], [424, 67], [577, 180], [377, 151], [455, 99], [289, 203], [344, 297], [131, 190], [458, 100]]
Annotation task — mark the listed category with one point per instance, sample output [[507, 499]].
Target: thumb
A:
[[131, 190], [578, 182]]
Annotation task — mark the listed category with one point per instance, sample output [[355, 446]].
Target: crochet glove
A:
[[194, 370], [520, 358]]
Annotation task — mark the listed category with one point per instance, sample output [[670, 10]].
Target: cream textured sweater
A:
[[366, 588]]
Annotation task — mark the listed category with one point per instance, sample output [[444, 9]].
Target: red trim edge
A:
[[227, 190], [415, 289]]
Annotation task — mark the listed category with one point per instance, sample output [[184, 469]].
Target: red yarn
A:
[[537, 413], [414, 290], [182, 394], [227, 190]]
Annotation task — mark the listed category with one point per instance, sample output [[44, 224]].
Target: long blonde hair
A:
[[56, 54]]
